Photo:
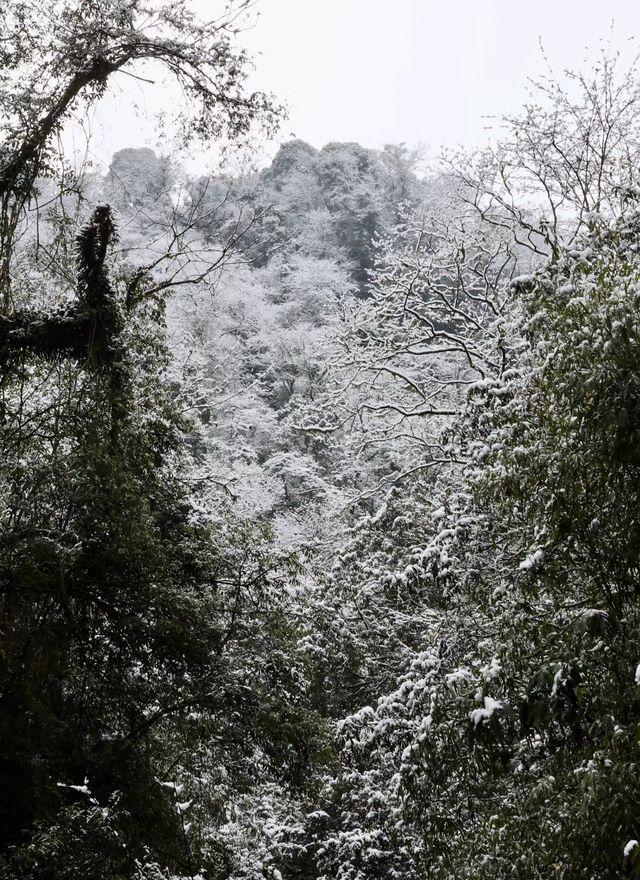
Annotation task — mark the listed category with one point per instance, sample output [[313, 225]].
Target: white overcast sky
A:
[[386, 71]]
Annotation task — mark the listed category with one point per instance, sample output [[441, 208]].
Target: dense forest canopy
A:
[[319, 527]]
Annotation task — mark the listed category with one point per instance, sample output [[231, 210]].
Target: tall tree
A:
[[58, 58], [131, 614]]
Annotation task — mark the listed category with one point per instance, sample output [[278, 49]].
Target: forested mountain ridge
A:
[[318, 487], [255, 339]]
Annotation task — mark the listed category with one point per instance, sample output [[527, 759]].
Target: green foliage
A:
[[513, 741], [145, 630]]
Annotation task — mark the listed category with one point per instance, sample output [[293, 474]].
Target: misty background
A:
[[372, 72]]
